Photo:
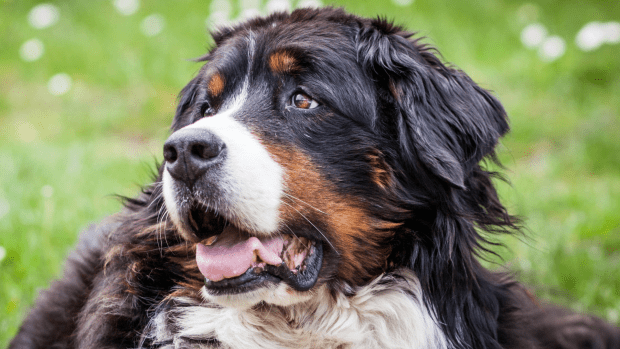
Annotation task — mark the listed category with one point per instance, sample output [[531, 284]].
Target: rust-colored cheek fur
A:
[[360, 240]]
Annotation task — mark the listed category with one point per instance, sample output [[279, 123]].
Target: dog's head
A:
[[321, 149]]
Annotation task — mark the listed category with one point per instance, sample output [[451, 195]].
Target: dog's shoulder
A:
[[55, 315]]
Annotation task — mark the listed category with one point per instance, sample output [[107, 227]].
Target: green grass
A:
[[62, 156]]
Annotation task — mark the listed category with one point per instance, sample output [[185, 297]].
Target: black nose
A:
[[189, 153]]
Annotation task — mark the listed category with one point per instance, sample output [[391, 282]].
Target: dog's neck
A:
[[387, 313]]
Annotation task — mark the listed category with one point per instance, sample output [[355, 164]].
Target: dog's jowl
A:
[[321, 188]]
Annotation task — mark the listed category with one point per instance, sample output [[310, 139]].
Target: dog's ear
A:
[[447, 122]]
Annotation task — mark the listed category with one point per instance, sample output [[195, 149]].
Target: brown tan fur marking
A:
[[381, 171], [216, 84], [282, 62]]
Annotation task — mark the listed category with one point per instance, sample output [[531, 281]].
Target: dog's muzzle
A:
[[190, 153], [216, 164]]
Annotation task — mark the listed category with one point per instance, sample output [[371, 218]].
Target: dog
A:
[[322, 188]]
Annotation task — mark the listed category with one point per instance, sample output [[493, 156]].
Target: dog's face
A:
[[294, 146]]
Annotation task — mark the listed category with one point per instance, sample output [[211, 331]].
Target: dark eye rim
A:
[[206, 110], [313, 102], [203, 110]]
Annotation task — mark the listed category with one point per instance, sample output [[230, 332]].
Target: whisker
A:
[[303, 202], [162, 222], [165, 221], [292, 232], [317, 229], [157, 190], [160, 214]]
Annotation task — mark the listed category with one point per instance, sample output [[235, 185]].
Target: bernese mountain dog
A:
[[322, 188]]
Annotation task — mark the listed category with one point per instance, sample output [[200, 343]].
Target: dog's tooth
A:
[[193, 222], [210, 241]]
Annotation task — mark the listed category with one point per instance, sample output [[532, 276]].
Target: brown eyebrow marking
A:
[[216, 84], [282, 62]]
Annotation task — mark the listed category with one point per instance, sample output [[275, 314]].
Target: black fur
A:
[[430, 126]]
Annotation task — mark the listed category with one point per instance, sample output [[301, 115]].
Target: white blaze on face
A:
[[249, 181], [169, 191]]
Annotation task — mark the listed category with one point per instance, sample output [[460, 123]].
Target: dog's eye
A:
[[207, 111], [303, 101]]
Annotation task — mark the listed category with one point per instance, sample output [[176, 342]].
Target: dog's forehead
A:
[[282, 46], [320, 57]]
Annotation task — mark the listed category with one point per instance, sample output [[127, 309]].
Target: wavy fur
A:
[[387, 174]]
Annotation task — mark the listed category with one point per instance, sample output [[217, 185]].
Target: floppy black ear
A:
[[446, 121]]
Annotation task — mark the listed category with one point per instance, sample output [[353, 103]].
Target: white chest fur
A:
[[388, 313]]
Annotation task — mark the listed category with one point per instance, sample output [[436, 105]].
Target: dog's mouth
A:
[[235, 261]]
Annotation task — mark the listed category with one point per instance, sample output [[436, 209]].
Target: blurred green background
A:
[[88, 89]]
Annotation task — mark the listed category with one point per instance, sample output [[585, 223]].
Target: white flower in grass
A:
[[220, 13], [222, 6], [217, 19], [612, 32], [250, 4], [43, 16], [278, 6], [31, 50], [310, 3], [249, 13], [127, 7], [533, 35], [552, 48], [249, 9], [152, 25], [591, 36], [2, 253], [59, 84], [594, 34], [402, 2]]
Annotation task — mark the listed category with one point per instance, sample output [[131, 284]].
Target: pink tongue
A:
[[219, 262]]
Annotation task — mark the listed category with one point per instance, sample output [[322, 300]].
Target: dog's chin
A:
[[279, 294]]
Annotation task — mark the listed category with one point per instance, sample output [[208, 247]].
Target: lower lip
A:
[[251, 280], [248, 281]]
